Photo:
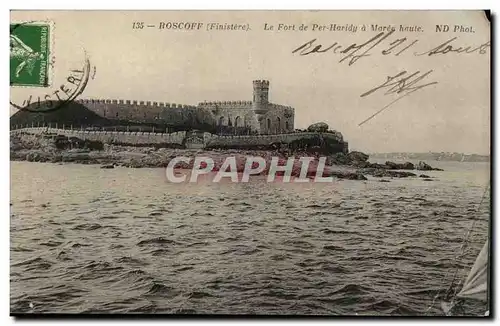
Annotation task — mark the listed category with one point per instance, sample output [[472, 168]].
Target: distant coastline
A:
[[434, 156]]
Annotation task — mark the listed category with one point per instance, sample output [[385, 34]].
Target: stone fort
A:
[[258, 116], [256, 124]]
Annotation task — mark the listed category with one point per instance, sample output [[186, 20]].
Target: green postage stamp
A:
[[30, 54]]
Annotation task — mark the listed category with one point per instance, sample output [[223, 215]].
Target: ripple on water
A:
[[156, 241], [148, 247], [88, 226]]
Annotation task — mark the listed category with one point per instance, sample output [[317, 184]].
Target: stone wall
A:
[[266, 140], [159, 113], [208, 140], [114, 137], [238, 114], [278, 119], [232, 113]]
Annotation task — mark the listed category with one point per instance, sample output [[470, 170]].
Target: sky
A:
[[452, 114]]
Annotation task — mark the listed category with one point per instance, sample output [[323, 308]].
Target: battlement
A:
[[142, 103], [175, 105], [225, 103], [261, 82], [279, 106], [258, 114]]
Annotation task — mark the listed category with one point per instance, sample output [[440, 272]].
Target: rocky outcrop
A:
[[360, 160], [36, 156], [357, 156], [400, 174], [338, 159], [318, 127], [64, 142], [348, 175], [60, 149], [381, 173], [422, 166], [400, 166], [354, 159]]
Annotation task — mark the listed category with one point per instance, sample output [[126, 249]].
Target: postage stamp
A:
[[30, 54]]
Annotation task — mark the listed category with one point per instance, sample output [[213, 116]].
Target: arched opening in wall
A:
[[104, 113], [278, 124], [229, 123], [116, 114], [221, 121], [287, 126], [237, 122], [268, 124]]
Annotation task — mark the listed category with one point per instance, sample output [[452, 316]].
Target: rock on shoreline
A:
[[57, 149]]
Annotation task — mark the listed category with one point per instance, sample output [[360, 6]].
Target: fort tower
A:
[[260, 97]]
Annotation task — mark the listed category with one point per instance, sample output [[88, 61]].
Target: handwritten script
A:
[[401, 83], [381, 42]]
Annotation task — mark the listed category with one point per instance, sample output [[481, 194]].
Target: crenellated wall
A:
[[221, 113], [134, 103], [140, 111], [277, 119], [226, 104], [236, 117], [258, 116], [161, 115]]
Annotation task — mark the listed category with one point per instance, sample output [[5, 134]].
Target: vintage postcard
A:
[[321, 163]]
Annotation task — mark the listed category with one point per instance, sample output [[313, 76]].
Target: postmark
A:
[[74, 85], [48, 95], [30, 54]]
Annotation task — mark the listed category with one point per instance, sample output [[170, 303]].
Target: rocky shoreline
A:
[[59, 149]]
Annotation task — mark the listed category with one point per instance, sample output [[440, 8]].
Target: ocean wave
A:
[[156, 241], [88, 226], [160, 248]]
